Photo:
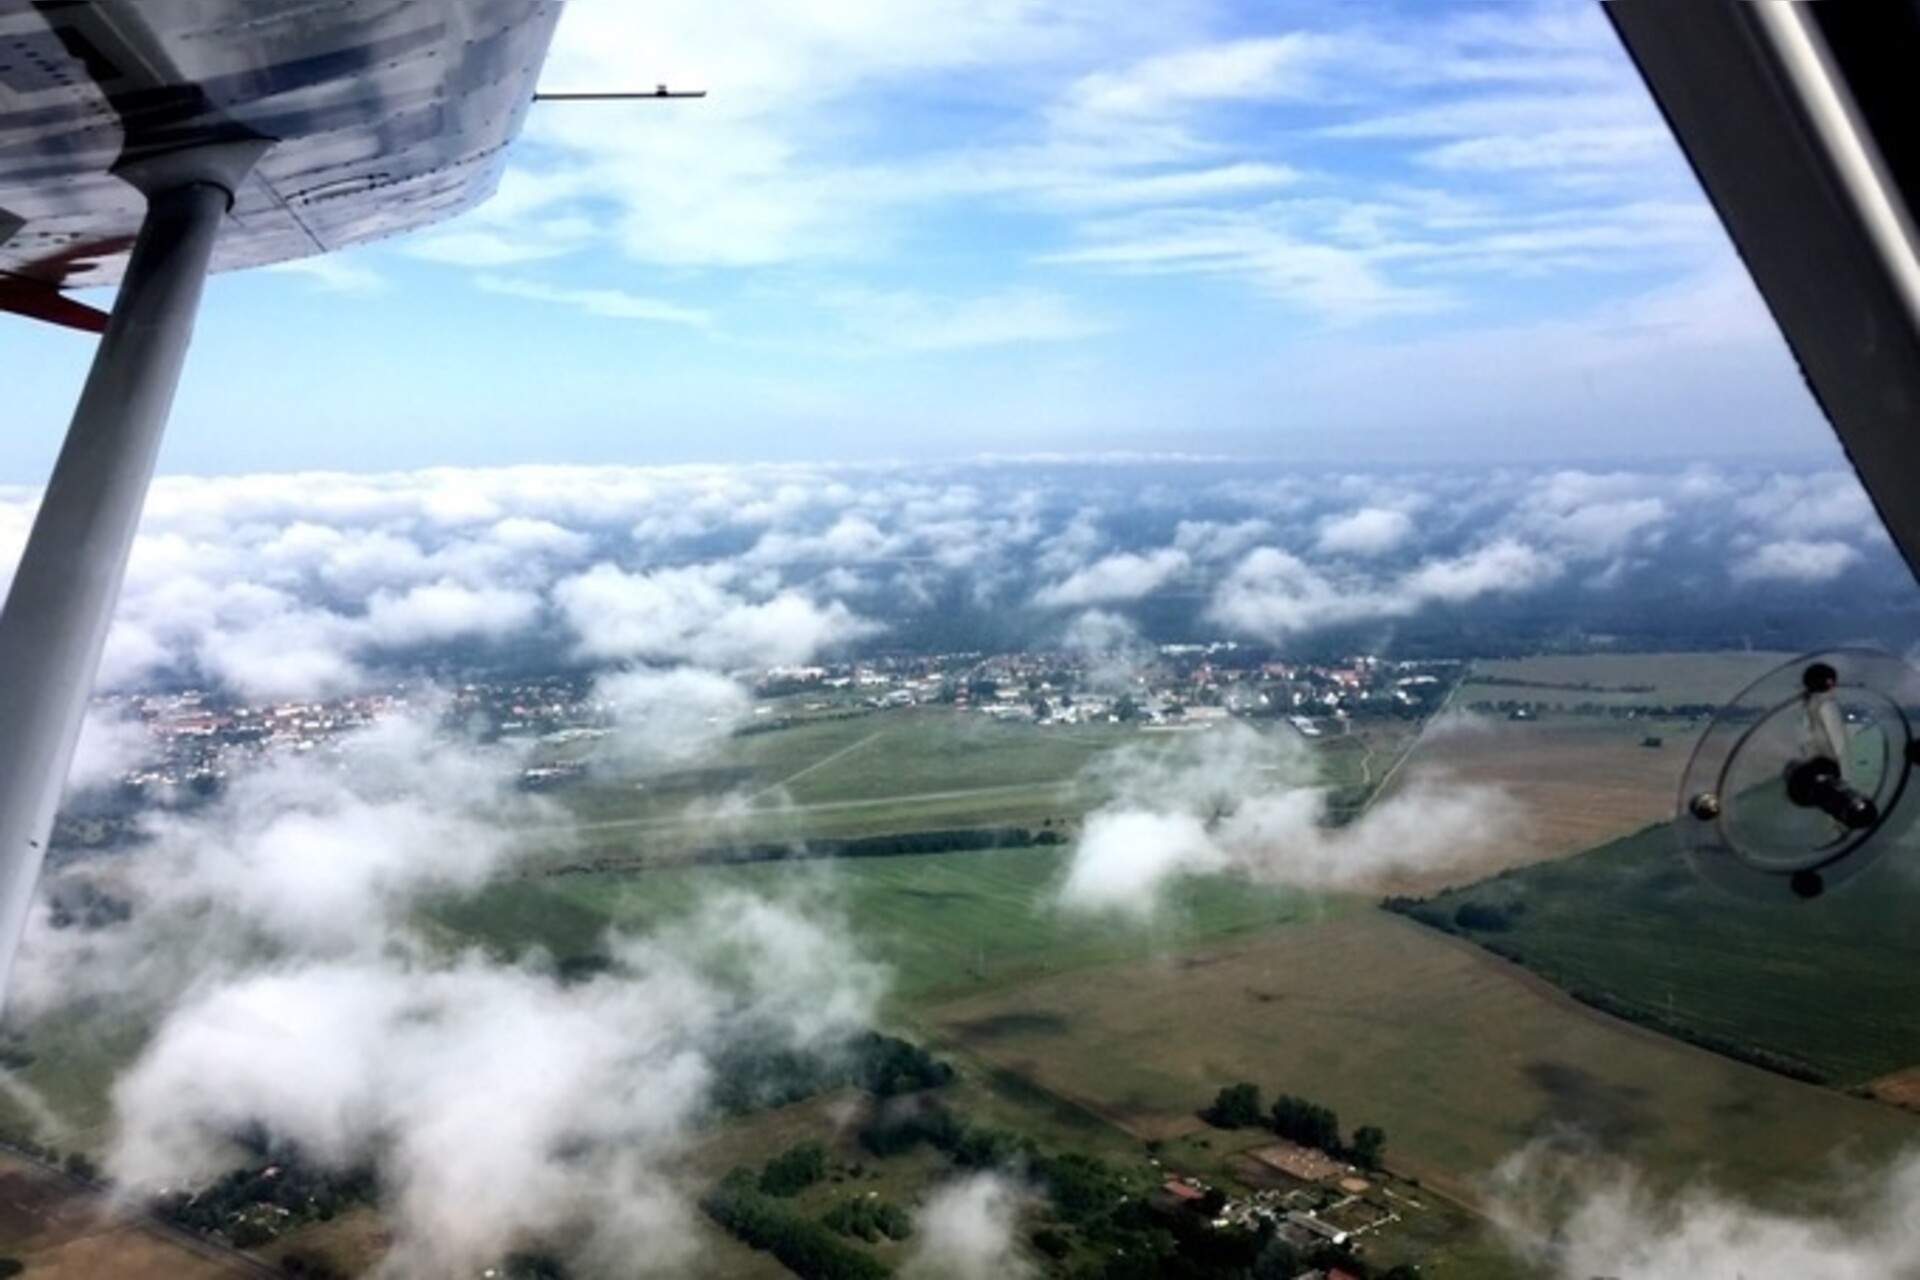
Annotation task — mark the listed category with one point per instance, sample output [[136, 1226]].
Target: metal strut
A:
[[55, 621]]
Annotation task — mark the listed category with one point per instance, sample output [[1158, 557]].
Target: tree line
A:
[[1237, 1106]]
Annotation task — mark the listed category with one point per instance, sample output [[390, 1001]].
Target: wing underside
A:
[[384, 115]]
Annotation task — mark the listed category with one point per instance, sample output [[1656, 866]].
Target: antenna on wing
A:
[[620, 95]]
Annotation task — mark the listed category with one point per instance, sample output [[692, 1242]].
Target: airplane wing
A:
[[1799, 121], [384, 115], [144, 143]]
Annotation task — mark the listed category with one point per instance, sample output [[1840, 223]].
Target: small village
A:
[[198, 737]]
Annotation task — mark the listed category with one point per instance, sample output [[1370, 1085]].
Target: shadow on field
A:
[[1609, 1116], [1021, 1022], [935, 897]]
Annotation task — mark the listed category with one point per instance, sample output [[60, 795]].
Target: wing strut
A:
[[1797, 119], [55, 621]]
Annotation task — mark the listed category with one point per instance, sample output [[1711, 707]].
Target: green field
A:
[[1834, 983], [853, 775], [1101, 1036], [1461, 1058], [1618, 679], [944, 923], [862, 774]]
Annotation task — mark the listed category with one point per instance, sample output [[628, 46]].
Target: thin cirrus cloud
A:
[[611, 304]]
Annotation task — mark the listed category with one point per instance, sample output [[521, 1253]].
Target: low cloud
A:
[[443, 611], [304, 854], [1235, 801], [968, 1230], [1607, 1221], [1273, 593], [670, 716], [691, 615], [1796, 561], [1370, 531], [275, 947], [497, 1104], [286, 586], [1122, 577], [110, 745]]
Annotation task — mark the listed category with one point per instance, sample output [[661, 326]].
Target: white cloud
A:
[[1274, 593], [611, 304], [443, 611], [334, 273], [274, 944], [110, 744], [670, 715], [967, 1231], [1207, 540], [1125, 576], [310, 584], [1239, 802], [1806, 506], [404, 1062], [1502, 566], [1123, 861], [1256, 68], [1610, 1222], [691, 615], [899, 321], [288, 654], [1796, 560], [1370, 531]]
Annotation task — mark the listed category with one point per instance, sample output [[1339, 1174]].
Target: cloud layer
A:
[[1610, 1222], [282, 586], [276, 944]]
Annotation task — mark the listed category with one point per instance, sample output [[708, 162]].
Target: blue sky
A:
[[1356, 232]]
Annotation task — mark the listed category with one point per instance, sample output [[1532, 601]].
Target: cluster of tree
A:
[[75, 1164], [899, 844], [948, 840], [870, 1218], [1487, 917], [1470, 916], [898, 1129], [1091, 1212], [304, 1264], [887, 1066], [1237, 1106], [760, 1071], [247, 1207], [807, 1248], [793, 1170], [1307, 1123]]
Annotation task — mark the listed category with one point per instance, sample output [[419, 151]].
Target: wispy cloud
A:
[[334, 273], [907, 321], [612, 304]]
